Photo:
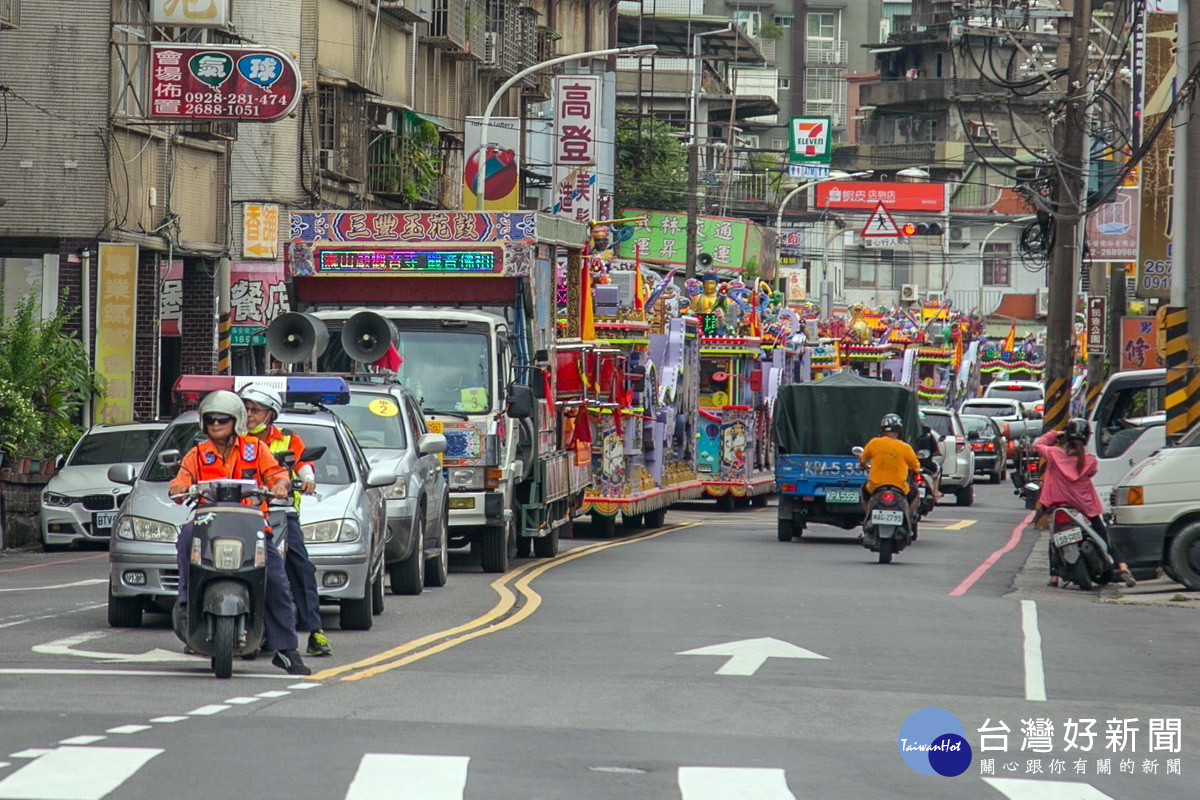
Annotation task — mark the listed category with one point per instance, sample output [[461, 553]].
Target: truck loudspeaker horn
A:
[[293, 337], [366, 336]]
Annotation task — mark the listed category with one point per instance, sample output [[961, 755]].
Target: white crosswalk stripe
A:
[[75, 773], [389, 776], [1027, 789], [730, 783]]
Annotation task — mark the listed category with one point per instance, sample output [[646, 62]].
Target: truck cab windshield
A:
[[449, 370]]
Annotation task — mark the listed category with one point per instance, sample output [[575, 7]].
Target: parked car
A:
[[1030, 394], [344, 523], [388, 424], [1156, 513], [958, 460], [80, 503], [1000, 409], [989, 445], [1128, 424]]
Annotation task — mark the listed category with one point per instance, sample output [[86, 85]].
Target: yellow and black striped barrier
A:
[[224, 336], [1058, 404], [1175, 353], [1093, 392]]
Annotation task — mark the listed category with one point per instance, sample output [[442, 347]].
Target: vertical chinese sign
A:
[[1154, 234], [170, 298], [257, 294], [577, 118], [190, 13], [260, 231], [1097, 330], [1139, 343], [116, 295]]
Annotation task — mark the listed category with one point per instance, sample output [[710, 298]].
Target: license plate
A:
[[842, 496], [883, 516], [103, 520], [921, 491], [462, 502], [1070, 536]]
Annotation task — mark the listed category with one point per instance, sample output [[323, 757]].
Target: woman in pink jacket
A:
[[1068, 481]]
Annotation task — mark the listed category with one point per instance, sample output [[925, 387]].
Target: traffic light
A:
[[921, 229]]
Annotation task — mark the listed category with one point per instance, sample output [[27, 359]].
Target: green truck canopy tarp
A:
[[841, 411]]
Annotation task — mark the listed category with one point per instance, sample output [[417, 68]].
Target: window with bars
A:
[[997, 264], [341, 121]]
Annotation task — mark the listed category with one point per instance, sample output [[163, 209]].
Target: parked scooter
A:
[[1077, 553], [227, 573]]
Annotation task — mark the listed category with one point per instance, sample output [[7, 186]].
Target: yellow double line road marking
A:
[[508, 611]]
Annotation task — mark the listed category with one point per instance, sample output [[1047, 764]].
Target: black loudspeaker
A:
[[293, 337], [704, 260], [366, 336]]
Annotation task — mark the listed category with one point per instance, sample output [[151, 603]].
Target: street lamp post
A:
[[838, 176], [486, 121]]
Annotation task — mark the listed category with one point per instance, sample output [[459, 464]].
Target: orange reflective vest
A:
[[247, 459]]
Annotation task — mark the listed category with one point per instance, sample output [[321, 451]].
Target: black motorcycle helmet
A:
[[891, 422], [1077, 430]]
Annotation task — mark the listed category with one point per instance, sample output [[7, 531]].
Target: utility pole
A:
[[1191, 260], [1069, 200]]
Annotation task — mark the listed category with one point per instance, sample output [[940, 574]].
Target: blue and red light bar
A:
[[313, 389]]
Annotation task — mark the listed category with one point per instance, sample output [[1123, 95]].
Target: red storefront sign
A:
[[866, 195], [203, 82]]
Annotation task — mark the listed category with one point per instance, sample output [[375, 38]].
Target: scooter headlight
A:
[[227, 554]]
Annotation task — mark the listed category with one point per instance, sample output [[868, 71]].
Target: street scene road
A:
[[704, 659]]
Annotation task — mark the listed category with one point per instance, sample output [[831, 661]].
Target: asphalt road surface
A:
[[705, 660]]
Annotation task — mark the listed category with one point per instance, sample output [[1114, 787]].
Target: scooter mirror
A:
[[858, 451], [922, 454], [1032, 487], [312, 453]]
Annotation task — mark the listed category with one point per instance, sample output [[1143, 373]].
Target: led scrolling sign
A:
[[408, 261]]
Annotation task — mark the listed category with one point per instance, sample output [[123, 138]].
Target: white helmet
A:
[[226, 403], [264, 395]]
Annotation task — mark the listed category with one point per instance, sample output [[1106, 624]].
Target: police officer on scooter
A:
[[229, 452], [263, 405]]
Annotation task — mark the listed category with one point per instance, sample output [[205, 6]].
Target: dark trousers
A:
[[280, 613], [302, 577]]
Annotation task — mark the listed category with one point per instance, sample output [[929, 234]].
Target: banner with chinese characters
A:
[[1155, 250], [502, 176], [260, 231], [170, 297], [577, 119], [734, 244], [211, 82], [116, 312], [1139, 343], [257, 294], [190, 13]]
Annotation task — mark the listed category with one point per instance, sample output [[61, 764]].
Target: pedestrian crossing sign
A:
[[880, 224]]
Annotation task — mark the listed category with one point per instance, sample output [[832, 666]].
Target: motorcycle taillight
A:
[[1062, 518], [887, 497]]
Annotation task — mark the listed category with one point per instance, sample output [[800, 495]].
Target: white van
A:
[[1156, 513], [1128, 424]]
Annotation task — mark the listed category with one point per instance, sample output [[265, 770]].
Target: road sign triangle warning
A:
[[881, 223]]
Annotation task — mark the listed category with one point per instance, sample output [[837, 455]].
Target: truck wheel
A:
[[1183, 556], [725, 502], [524, 546], [656, 518], [966, 495], [784, 530], [124, 612], [494, 544], [632, 520], [408, 576], [760, 500], [222, 660], [603, 527], [546, 546]]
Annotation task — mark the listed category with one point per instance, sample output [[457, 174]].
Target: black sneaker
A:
[[290, 662]]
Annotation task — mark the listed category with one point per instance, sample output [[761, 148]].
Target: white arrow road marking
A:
[[88, 582], [391, 776], [1025, 789], [75, 773], [721, 783], [66, 647], [747, 655]]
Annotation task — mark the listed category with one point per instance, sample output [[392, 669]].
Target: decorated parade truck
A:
[[459, 306]]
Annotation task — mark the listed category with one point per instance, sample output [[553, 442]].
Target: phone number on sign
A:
[[1156, 275]]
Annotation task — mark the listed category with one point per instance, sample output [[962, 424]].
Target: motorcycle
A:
[[926, 480], [1026, 475], [227, 573], [1077, 553]]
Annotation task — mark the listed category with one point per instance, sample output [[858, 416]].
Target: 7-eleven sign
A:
[[810, 139]]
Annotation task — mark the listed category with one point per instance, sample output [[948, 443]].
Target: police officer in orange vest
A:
[[263, 406], [229, 452]]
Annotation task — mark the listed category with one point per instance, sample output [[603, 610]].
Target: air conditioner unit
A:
[[1043, 302], [908, 293], [491, 49], [935, 297], [960, 235]]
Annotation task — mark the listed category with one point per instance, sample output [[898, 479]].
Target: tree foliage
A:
[[45, 379], [651, 165]]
